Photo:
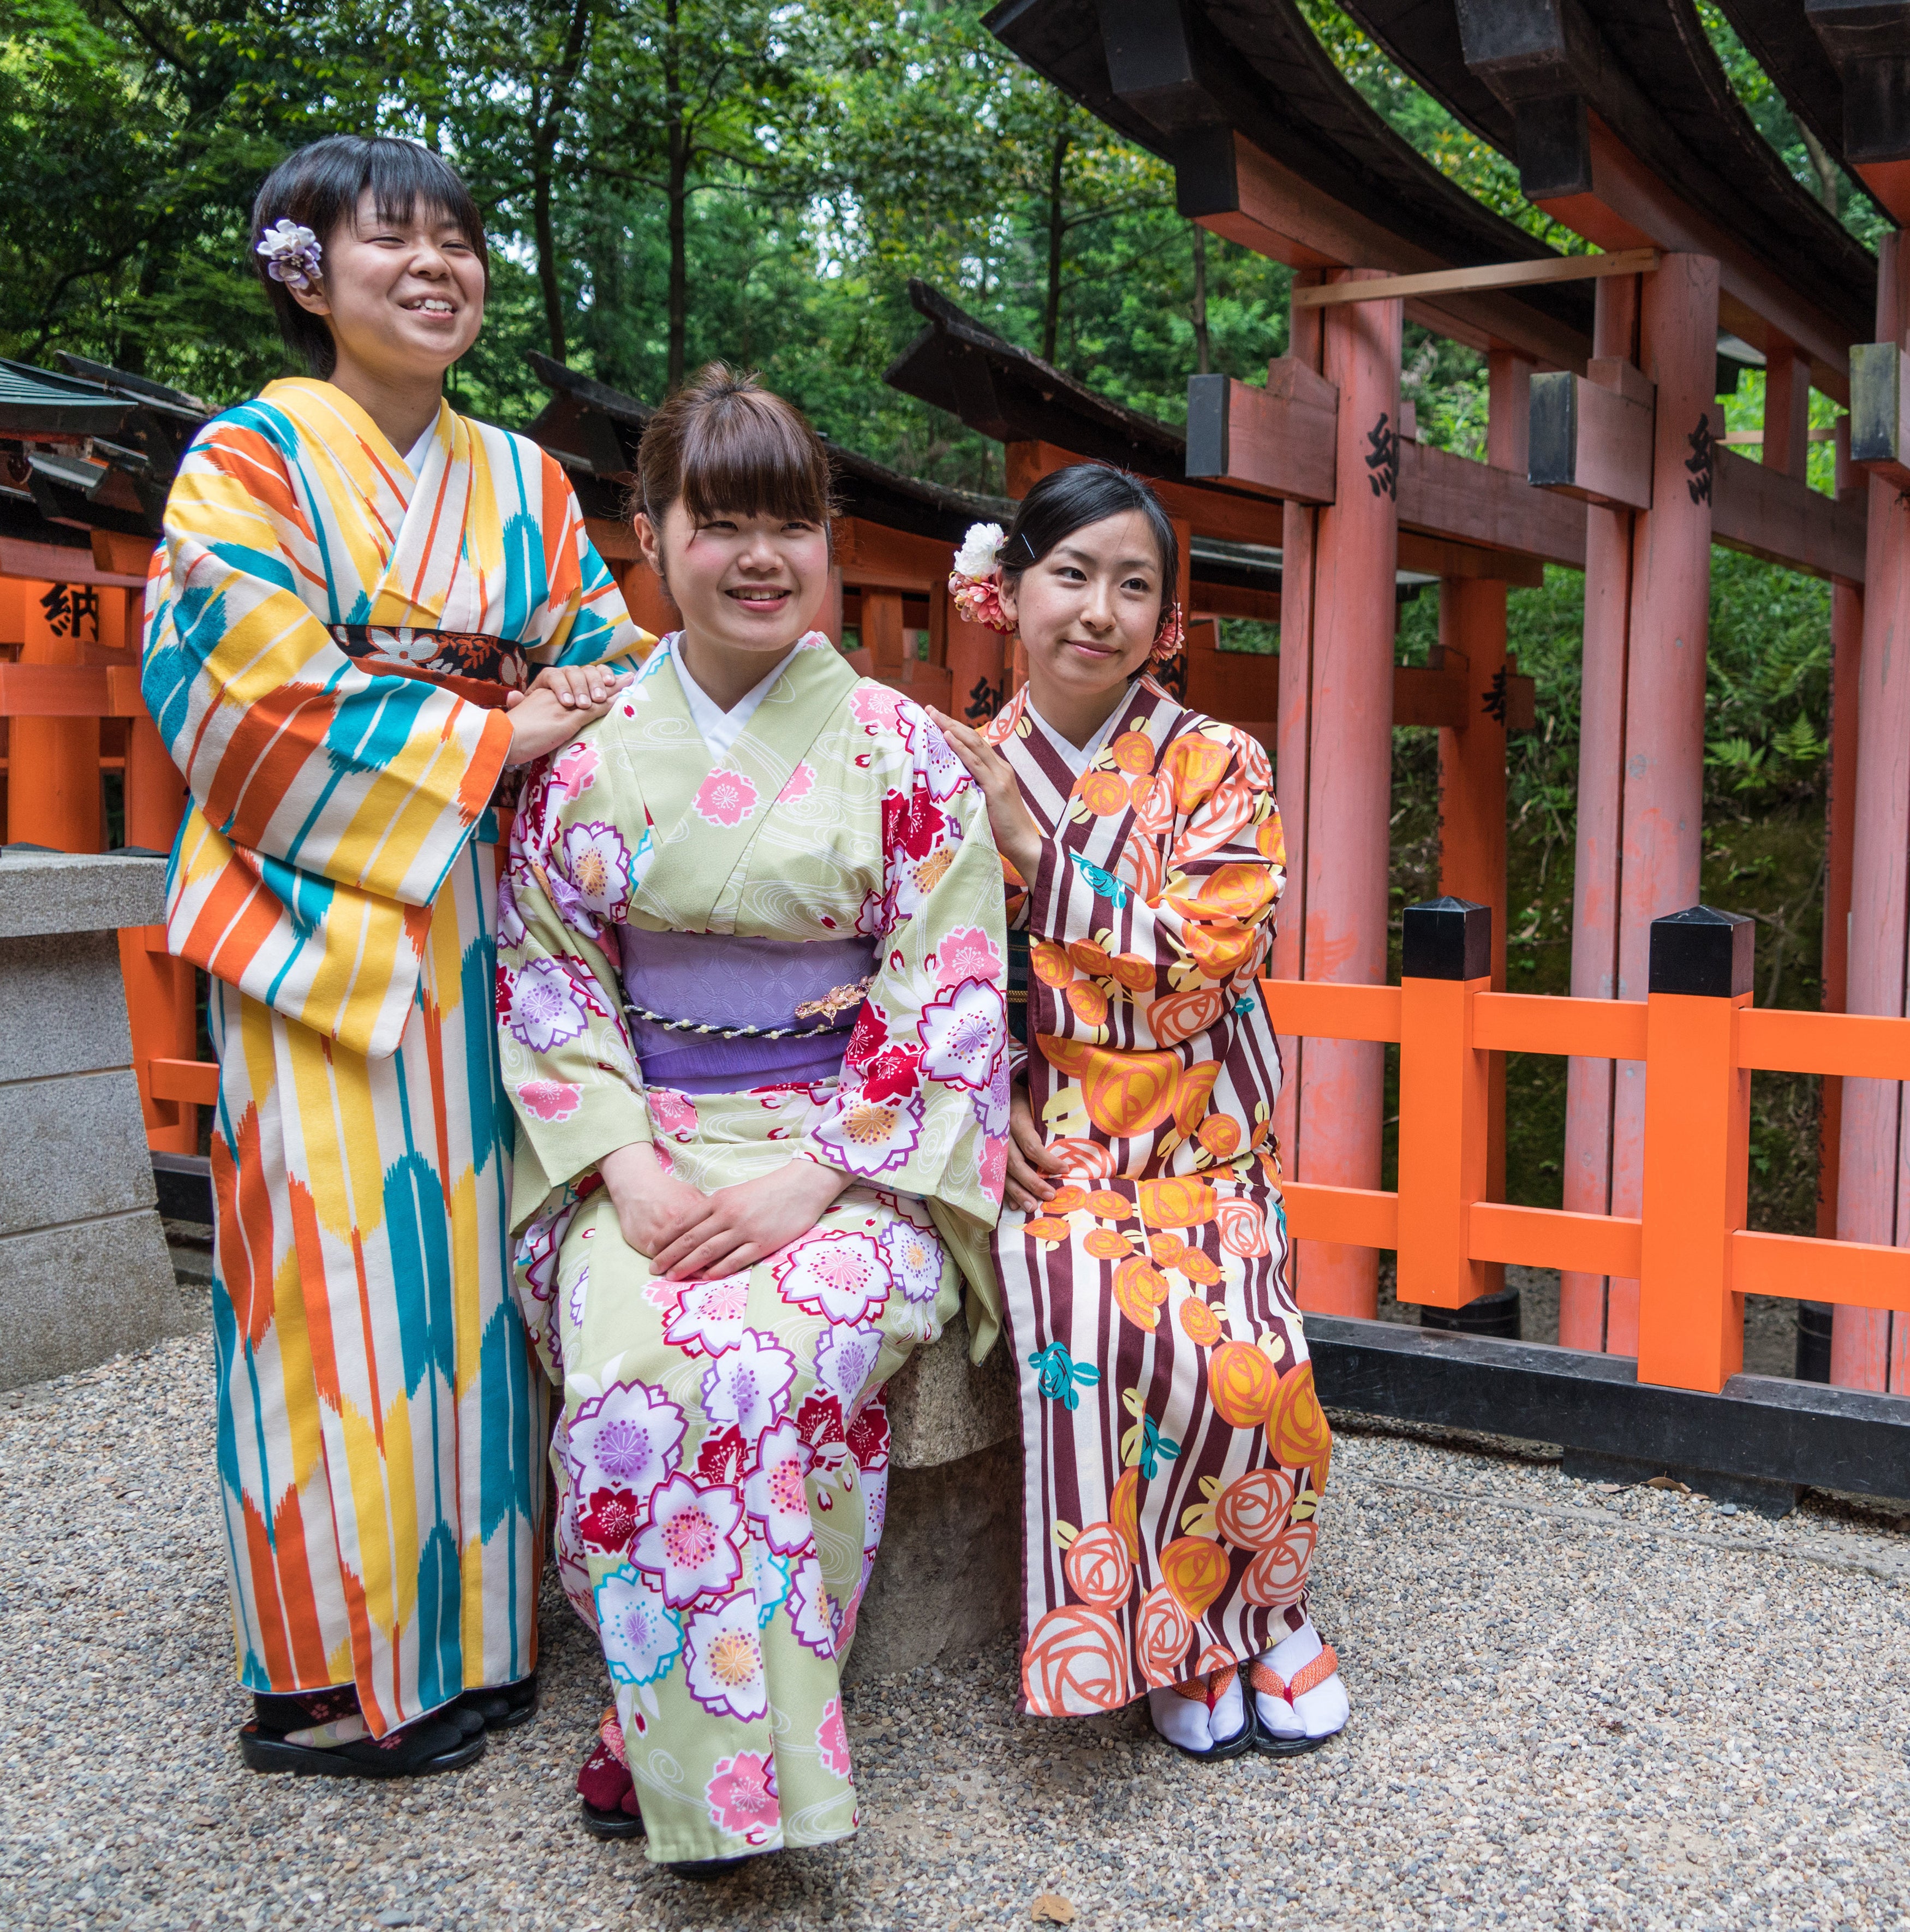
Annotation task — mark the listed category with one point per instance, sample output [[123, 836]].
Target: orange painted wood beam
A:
[[1279, 213], [1325, 1010], [1763, 512], [875, 557], [1592, 440], [1451, 497], [1543, 1023], [1778, 1040], [1628, 206], [1353, 1216], [40, 690], [1848, 1274], [196, 1081], [1597, 1244]]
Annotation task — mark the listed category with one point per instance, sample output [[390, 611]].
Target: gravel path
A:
[[1572, 1706]]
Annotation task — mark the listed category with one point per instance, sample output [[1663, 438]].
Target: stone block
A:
[[71, 1297], [62, 1005], [75, 1149], [77, 891], [949, 1578], [941, 1409]]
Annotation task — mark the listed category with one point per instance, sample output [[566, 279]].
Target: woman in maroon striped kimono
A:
[[1175, 1450]]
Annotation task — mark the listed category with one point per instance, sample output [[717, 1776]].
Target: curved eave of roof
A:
[[1265, 75], [1659, 87]]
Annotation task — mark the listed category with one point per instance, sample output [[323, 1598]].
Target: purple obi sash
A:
[[711, 1013]]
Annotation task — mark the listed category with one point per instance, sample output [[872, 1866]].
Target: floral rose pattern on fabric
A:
[[722, 1460], [1174, 1450]]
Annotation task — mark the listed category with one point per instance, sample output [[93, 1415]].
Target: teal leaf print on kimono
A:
[[1103, 883], [1062, 1377]]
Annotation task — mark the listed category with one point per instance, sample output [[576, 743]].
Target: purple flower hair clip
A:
[[291, 254]]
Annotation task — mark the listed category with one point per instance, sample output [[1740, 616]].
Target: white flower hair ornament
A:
[[292, 255], [975, 584]]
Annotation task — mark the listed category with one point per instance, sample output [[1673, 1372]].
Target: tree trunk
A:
[[1203, 361], [547, 127], [677, 195], [1057, 229], [1824, 168]]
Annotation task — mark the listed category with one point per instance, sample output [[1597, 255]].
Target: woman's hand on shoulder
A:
[[1018, 838], [1029, 1163], [561, 700], [652, 1207]]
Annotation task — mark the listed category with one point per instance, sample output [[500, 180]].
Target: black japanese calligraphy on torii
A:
[[1382, 457], [69, 606], [1698, 462], [984, 701]]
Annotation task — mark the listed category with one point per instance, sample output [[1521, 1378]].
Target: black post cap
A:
[[1703, 951], [1447, 939]]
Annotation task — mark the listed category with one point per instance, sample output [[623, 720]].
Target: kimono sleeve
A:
[[1117, 966], [922, 1105], [290, 750], [584, 620], [569, 1068]]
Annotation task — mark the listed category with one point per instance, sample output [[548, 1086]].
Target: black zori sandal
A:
[[502, 1707], [322, 1734]]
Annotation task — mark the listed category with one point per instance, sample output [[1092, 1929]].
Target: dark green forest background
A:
[[668, 181]]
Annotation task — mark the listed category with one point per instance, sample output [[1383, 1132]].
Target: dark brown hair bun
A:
[[725, 445]]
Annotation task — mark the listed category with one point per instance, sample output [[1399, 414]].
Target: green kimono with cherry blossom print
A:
[[794, 951]]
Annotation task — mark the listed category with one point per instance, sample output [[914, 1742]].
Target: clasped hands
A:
[[561, 700], [689, 1235]]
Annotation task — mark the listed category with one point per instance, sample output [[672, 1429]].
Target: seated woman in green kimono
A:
[[752, 1019]]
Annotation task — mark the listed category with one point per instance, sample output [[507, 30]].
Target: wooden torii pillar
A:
[[1642, 740], [1873, 1192]]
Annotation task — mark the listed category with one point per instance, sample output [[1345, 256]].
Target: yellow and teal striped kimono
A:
[[330, 639]]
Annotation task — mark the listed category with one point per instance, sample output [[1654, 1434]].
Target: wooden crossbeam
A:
[[1491, 275]]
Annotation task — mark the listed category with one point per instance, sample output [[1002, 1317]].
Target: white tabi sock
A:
[[1317, 1712], [1187, 1722]]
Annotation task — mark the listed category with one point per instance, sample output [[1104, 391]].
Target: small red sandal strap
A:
[[1266, 1679], [1311, 1676]]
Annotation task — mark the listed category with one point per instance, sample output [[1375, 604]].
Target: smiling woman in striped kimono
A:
[[1175, 1451], [345, 627]]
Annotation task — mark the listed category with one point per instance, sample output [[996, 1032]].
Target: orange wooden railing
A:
[[1689, 1250]]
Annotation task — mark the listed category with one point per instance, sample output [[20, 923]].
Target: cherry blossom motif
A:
[[868, 1037], [724, 1660], [725, 798], [992, 1166], [771, 1574], [629, 1437], [748, 1384], [543, 1011], [875, 1505], [510, 920], [963, 1033], [914, 1259], [742, 1797], [832, 1739], [550, 1100], [536, 1257], [840, 1275], [710, 1317], [809, 1609], [574, 768], [967, 953], [991, 1105], [936, 764], [778, 1494], [723, 1458], [573, 1559], [580, 1290], [894, 1074], [845, 1359], [868, 1435], [690, 1541], [609, 1520], [798, 784], [642, 1637], [597, 863], [875, 707], [869, 1136]]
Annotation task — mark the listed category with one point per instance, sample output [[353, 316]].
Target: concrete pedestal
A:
[[84, 1270], [949, 1574]]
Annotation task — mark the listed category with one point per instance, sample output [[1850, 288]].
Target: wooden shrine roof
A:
[[1180, 81]]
